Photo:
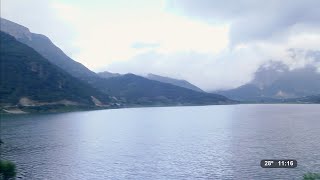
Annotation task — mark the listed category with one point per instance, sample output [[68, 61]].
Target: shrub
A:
[[311, 176], [7, 170]]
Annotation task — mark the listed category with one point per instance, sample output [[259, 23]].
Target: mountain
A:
[[30, 80], [133, 91], [107, 74], [48, 50], [307, 99], [176, 82], [137, 90], [275, 81]]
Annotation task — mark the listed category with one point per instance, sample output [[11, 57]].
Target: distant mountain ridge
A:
[[28, 80], [137, 90], [276, 81], [176, 82], [106, 74]]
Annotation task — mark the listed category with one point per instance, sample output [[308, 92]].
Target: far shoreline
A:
[[18, 111]]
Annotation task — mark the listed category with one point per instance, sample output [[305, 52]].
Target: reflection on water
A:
[[208, 142]]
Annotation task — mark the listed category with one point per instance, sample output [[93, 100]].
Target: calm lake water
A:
[[205, 142]]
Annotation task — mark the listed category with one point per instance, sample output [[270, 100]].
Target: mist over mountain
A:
[[275, 80]]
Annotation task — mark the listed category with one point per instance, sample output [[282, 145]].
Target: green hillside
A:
[[142, 91], [26, 74]]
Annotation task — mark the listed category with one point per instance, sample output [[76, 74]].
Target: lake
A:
[[203, 142]]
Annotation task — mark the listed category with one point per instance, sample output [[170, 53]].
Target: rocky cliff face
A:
[[48, 50], [14, 29]]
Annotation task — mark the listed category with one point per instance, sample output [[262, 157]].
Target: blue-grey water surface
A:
[[205, 142]]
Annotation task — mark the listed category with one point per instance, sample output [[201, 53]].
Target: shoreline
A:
[[18, 111]]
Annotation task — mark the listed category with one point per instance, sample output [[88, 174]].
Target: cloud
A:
[[211, 43], [111, 33], [228, 69], [191, 39], [139, 45], [251, 19], [207, 71]]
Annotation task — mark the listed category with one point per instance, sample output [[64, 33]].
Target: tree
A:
[[7, 170]]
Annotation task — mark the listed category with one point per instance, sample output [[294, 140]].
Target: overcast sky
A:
[[214, 44]]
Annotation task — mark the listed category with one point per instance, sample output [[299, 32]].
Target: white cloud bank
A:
[[107, 36]]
